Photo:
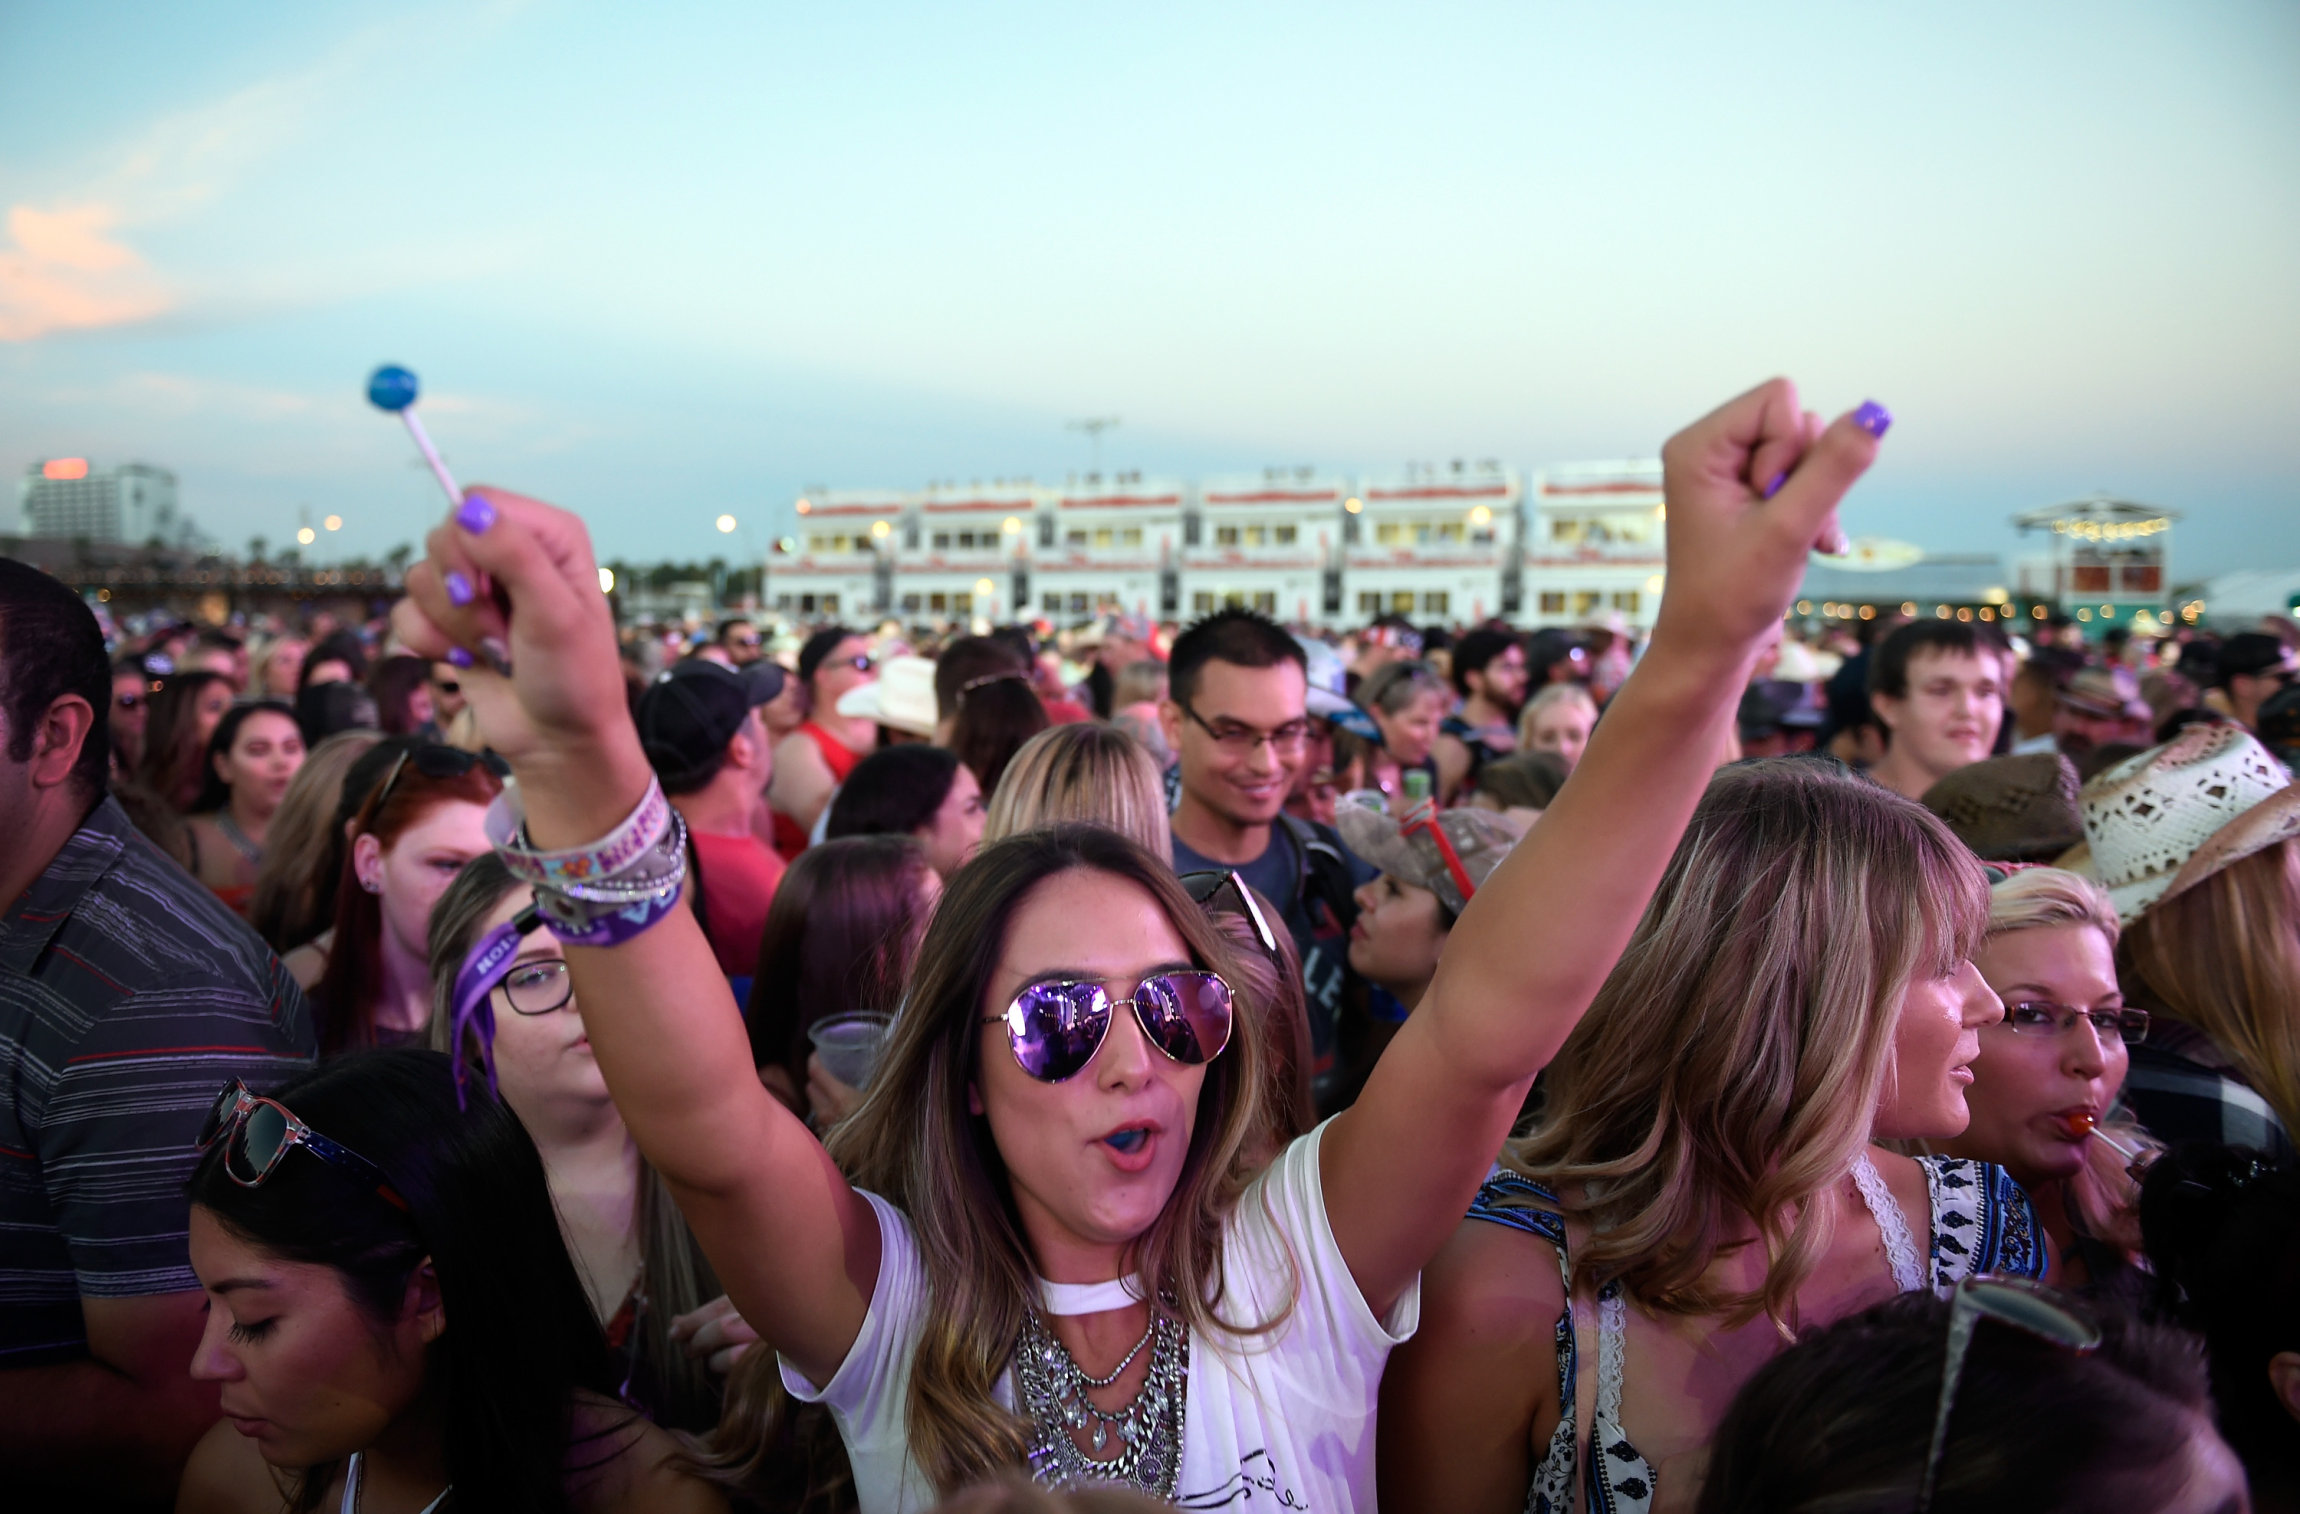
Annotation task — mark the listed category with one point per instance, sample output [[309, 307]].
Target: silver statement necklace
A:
[[237, 837], [1053, 1389]]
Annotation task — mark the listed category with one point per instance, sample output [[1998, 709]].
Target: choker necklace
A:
[[1053, 1393], [1089, 1298], [237, 837]]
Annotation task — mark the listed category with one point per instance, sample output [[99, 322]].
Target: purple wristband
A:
[[618, 926], [474, 1008]]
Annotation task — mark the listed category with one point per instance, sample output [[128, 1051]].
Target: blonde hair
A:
[[2102, 1200], [1549, 698], [1731, 1067], [915, 1141], [2224, 957], [1084, 772], [300, 854]]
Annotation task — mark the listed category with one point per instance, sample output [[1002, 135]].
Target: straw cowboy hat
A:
[[2168, 819]]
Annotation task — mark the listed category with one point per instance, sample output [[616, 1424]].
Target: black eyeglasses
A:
[[1239, 739], [2042, 1017], [433, 760], [262, 1131], [1202, 887], [2043, 1313]]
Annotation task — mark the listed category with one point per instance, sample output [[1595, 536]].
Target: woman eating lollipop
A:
[[1050, 1254]]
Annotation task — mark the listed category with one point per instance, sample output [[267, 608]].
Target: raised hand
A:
[[1752, 487], [511, 579]]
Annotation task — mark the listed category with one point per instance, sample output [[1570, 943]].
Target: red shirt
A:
[[739, 878]]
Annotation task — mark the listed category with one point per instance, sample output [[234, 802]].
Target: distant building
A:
[[1110, 546], [65, 499], [2110, 559], [1269, 542], [1593, 547], [1434, 544], [965, 553]]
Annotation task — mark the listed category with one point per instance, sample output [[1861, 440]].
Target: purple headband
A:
[[488, 964]]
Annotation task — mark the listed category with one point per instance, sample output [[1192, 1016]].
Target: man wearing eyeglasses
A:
[[1236, 715], [128, 996], [741, 641]]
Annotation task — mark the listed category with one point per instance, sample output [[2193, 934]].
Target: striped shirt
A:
[[129, 996]]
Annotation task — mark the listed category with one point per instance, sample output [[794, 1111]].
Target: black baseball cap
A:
[[692, 710], [2253, 652]]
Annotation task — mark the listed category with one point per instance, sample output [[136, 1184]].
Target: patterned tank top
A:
[[1981, 1221]]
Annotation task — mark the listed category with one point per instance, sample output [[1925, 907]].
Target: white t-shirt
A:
[[1281, 1420]]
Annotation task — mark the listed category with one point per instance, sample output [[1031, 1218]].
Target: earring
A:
[[370, 884]]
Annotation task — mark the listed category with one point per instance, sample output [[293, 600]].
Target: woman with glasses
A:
[[369, 978], [639, 1263], [2045, 1084], [1701, 1184], [253, 757], [392, 1320], [1409, 704], [1038, 1243]]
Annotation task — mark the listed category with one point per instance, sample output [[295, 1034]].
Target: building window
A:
[[1402, 602], [1390, 534], [1435, 602], [1586, 601], [1225, 536], [1074, 538], [1051, 604], [1103, 537], [1266, 601], [938, 603], [1080, 604], [1130, 537], [962, 604], [1626, 601], [1369, 604], [1284, 536], [1201, 602], [1552, 602], [910, 604], [942, 541], [1254, 535]]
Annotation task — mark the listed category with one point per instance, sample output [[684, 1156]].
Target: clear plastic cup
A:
[[849, 1045]]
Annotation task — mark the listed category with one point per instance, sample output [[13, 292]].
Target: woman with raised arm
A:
[[1056, 1258]]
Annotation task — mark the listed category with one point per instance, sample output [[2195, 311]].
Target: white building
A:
[[1270, 542], [64, 498], [1593, 544], [965, 553], [1111, 545], [842, 558], [1435, 544]]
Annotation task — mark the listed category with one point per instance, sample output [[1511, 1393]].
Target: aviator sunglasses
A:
[[2042, 1312], [260, 1131], [1056, 1028]]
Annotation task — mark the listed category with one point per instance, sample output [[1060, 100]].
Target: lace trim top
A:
[[1981, 1221]]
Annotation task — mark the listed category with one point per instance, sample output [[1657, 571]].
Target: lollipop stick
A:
[[431, 456]]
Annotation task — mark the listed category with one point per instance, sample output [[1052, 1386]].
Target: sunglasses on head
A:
[[1055, 1028], [261, 1131], [433, 760], [2032, 1307], [1202, 887]]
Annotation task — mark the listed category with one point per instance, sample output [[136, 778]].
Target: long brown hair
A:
[[175, 764], [303, 849], [914, 1141], [2224, 957], [676, 1278], [344, 997], [1731, 1066]]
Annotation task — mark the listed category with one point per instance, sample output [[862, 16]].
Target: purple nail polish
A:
[[459, 590], [1871, 417], [459, 657], [475, 514], [1774, 487]]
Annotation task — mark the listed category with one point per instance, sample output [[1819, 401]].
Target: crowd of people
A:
[[487, 1058]]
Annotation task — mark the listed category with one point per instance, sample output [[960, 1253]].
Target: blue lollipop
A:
[[393, 388]]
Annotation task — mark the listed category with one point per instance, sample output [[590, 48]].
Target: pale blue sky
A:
[[659, 262]]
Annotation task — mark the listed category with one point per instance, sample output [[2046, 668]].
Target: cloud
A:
[[64, 270]]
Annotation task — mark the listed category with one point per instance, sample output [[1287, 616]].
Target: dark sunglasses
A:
[[1055, 1029], [2028, 1306], [1202, 887], [261, 1131], [861, 664], [433, 760], [447, 685]]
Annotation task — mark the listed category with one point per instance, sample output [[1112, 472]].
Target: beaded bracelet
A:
[[641, 831]]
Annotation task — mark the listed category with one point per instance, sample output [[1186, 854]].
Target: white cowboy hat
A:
[[901, 697], [2166, 820]]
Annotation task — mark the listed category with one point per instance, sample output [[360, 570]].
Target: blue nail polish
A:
[[459, 657], [1871, 417], [1774, 487], [459, 590], [475, 514]]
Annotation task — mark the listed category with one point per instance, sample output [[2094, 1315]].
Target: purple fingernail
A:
[[459, 590], [475, 514], [1774, 487], [459, 657], [1871, 417]]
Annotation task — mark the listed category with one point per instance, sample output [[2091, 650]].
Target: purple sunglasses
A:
[[1056, 1028]]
